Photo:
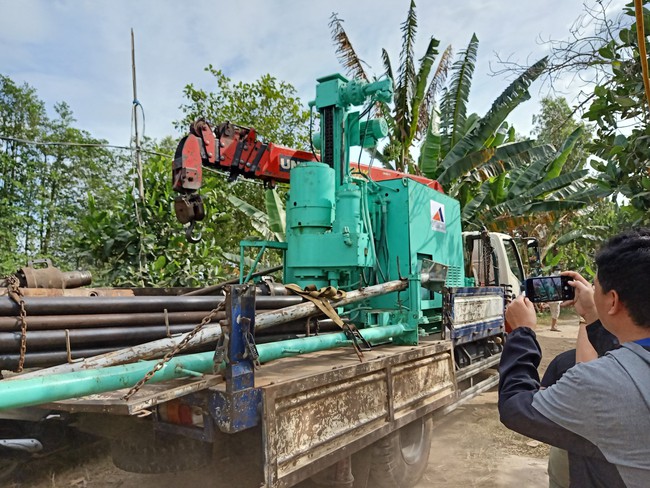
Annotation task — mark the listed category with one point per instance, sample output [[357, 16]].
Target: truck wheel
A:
[[400, 459]]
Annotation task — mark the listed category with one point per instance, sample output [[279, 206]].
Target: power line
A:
[[80, 144]]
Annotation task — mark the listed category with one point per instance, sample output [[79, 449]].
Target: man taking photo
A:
[[599, 411]]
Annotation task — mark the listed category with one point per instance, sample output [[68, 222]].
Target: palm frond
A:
[[345, 52]]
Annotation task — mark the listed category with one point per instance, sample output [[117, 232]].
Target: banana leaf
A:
[[576, 235], [470, 209], [430, 148], [259, 220], [555, 168], [344, 50], [516, 93], [498, 191], [454, 104], [465, 165], [529, 177], [437, 81], [426, 63], [406, 76], [562, 181], [276, 214]]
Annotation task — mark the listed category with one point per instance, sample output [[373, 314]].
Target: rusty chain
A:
[[14, 292], [178, 348]]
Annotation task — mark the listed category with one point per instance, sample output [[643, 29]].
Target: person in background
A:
[[554, 308], [599, 410]]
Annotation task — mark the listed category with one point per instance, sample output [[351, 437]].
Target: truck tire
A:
[[400, 459]]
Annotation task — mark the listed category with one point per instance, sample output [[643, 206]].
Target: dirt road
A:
[[471, 448]]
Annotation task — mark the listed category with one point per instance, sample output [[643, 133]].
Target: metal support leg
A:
[[236, 408]]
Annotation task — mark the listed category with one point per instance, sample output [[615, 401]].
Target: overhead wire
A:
[[80, 144]]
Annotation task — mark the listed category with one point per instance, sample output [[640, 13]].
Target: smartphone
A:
[[549, 289]]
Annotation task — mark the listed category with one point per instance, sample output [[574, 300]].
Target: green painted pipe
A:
[[293, 347], [35, 391]]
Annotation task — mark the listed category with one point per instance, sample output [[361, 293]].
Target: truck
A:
[[332, 377]]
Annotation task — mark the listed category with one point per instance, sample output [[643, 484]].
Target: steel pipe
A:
[[140, 351], [56, 339], [38, 390], [98, 305], [212, 332], [54, 322], [46, 358], [307, 309]]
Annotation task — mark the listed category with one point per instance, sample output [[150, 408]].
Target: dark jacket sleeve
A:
[[519, 381], [601, 339]]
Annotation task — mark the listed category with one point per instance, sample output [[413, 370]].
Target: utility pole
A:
[[138, 155]]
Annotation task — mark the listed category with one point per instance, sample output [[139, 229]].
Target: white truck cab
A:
[[493, 259]]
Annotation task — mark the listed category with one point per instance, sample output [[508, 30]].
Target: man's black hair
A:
[[624, 266]]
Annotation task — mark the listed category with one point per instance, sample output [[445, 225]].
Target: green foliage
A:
[[269, 105], [414, 88], [128, 242], [619, 102], [140, 243], [456, 96], [46, 169], [573, 240], [555, 124]]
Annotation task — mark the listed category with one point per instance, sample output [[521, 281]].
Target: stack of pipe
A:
[[62, 328]]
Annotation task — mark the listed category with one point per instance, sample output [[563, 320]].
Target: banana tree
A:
[[415, 88], [460, 150], [537, 191]]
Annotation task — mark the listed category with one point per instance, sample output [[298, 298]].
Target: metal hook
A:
[[188, 233]]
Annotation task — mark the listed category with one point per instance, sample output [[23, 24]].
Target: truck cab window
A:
[[514, 261]]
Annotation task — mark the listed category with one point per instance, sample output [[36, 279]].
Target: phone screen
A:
[[549, 289]]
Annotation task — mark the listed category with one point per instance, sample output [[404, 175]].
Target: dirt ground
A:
[[471, 448]]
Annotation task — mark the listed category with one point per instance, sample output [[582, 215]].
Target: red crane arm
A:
[[236, 150]]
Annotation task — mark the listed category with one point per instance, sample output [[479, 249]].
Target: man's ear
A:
[[614, 304]]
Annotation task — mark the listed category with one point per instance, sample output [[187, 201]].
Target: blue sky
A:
[[79, 51]]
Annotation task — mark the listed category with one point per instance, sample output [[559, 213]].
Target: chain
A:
[[14, 292], [178, 348]]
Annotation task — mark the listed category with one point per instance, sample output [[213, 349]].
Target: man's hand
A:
[[521, 313], [584, 297]]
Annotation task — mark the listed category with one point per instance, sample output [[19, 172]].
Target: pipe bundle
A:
[[62, 328]]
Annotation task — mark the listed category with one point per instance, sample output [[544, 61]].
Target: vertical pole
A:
[[138, 156]]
